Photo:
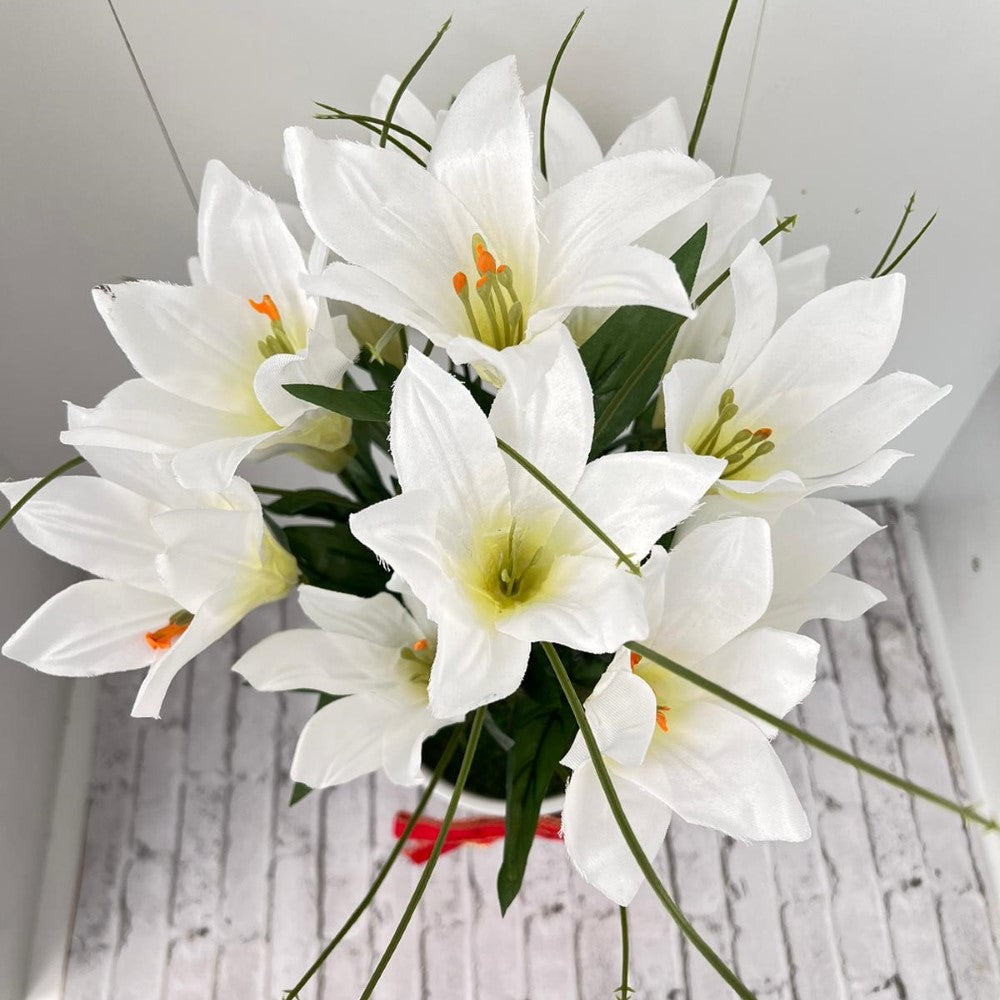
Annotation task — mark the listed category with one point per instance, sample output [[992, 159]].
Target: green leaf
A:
[[313, 503], [541, 739], [626, 357], [358, 404], [333, 558]]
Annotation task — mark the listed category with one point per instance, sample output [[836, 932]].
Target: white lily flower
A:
[[213, 356], [496, 559], [175, 570], [415, 242], [808, 540], [375, 655], [791, 409], [669, 746]]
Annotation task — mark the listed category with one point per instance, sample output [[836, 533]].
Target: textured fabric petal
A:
[[380, 620], [810, 538], [96, 525], [441, 441], [570, 146], [545, 411], [402, 743], [771, 669], [482, 154], [401, 532], [410, 112], [594, 841], [213, 620], [620, 276], [661, 128], [755, 305], [93, 627], [386, 214], [800, 278], [613, 205], [635, 497], [685, 391], [312, 660], [475, 665], [343, 740], [205, 550], [718, 583], [855, 428], [822, 353], [835, 596], [212, 464], [245, 247], [865, 473], [198, 343], [588, 604], [717, 769], [727, 208], [360, 287], [622, 714]]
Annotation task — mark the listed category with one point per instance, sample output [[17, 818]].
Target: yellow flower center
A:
[[507, 569], [500, 319], [741, 448], [417, 661], [635, 660]]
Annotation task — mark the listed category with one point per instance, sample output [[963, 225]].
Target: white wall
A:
[[959, 518]]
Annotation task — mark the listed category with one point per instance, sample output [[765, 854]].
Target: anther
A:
[[266, 307], [419, 646], [633, 660], [661, 717], [460, 283]]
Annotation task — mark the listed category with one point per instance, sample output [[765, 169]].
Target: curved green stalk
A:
[[449, 752], [909, 246], [425, 875], [41, 484], [918, 791], [338, 113], [624, 991], [372, 127], [406, 81], [783, 225], [536, 473], [548, 93], [614, 804], [895, 236], [706, 97]]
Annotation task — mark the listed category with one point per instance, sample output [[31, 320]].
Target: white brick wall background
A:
[[199, 881]]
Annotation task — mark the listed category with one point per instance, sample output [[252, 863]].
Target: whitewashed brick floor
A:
[[200, 883]]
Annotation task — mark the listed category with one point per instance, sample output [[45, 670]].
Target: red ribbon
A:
[[480, 831]]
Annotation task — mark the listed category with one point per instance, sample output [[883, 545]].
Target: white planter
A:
[[481, 805]]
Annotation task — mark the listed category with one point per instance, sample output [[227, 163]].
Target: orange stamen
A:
[[661, 717], [763, 432], [460, 282], [485, 261], [266, 307], [482, 281], [501, 268], [633, 660], [420, 645], [163, 638]]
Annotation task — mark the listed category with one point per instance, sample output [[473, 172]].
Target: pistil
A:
[[278, 342]]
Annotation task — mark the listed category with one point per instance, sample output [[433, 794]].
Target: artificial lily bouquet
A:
[[572, 408]]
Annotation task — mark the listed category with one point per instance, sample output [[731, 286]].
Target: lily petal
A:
[[93, 627], [570, 146]]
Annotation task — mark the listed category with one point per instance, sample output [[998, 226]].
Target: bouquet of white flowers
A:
[[573, 409]]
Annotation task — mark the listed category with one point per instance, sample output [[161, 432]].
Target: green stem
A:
[[614, 804], [425, 875], [338, 113], [548, 93], [909, 246], [568, 504], [783, 225], [623, 990], [41, 484], [966, 812], [706, 98], [449, 752], [358, 120], [895, 235], [406, 81]]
